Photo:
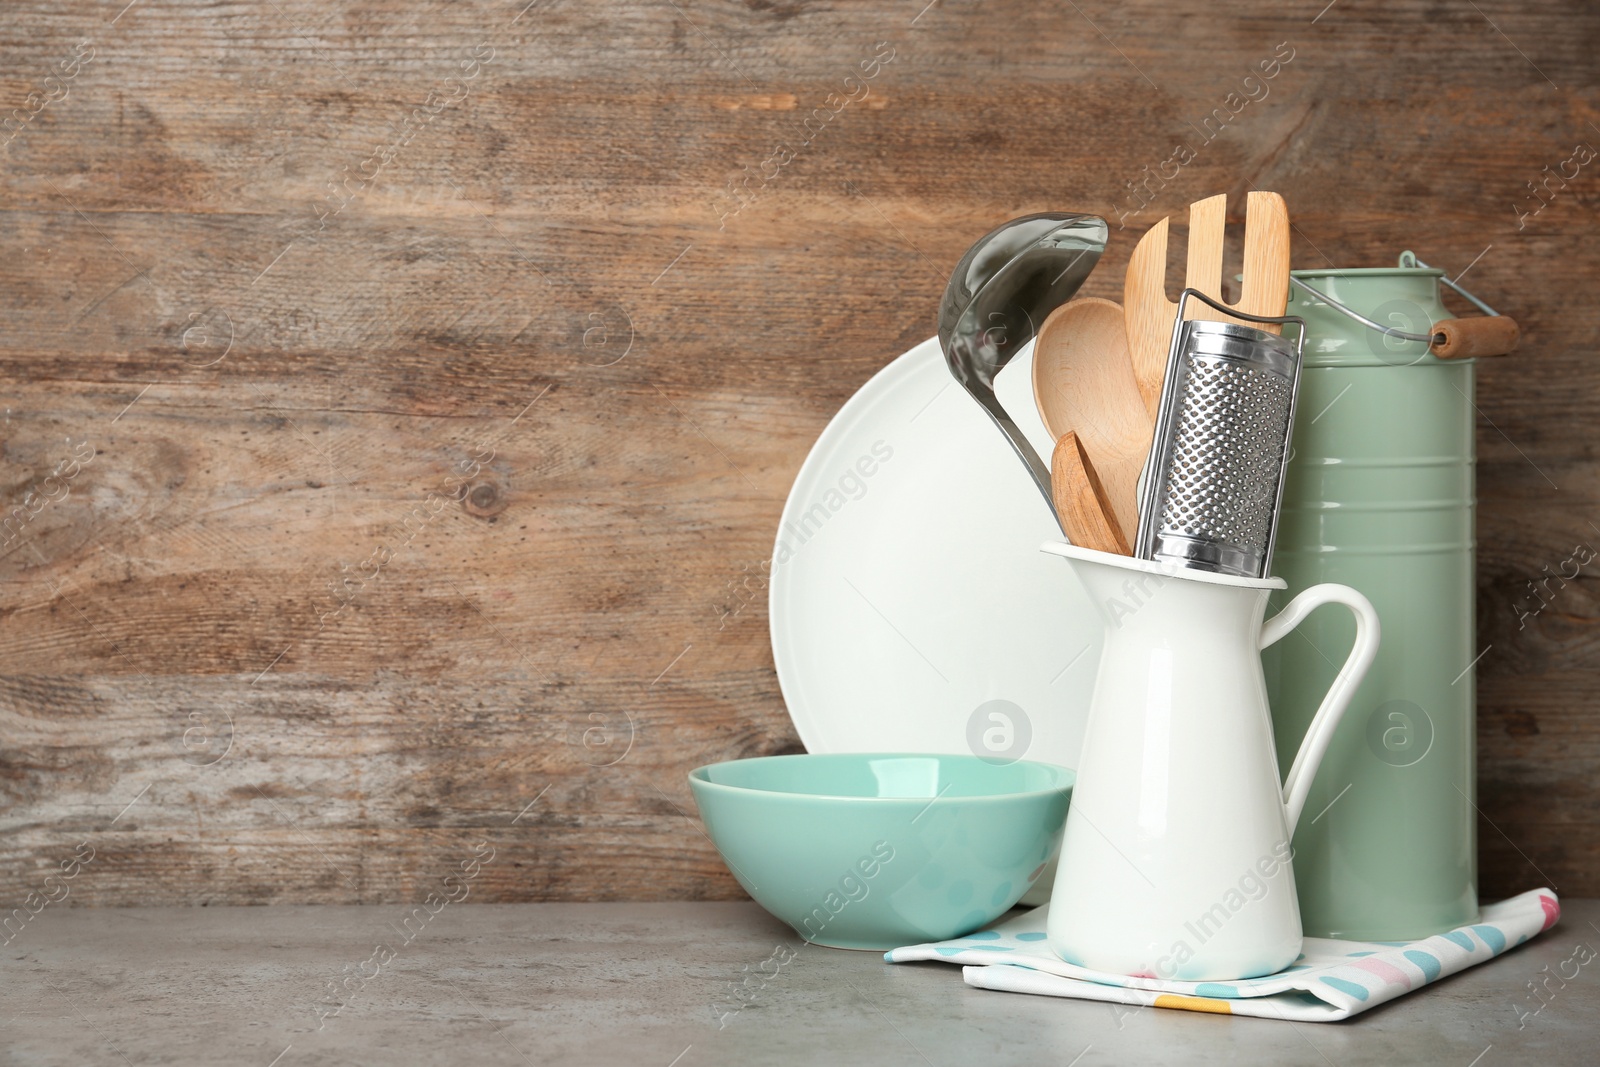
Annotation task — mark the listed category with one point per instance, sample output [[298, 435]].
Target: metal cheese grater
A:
[[1211, 488]]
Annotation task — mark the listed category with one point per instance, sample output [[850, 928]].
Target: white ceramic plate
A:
[[911, 608]]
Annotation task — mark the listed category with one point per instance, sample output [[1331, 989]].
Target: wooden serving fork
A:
[[1265, 290]]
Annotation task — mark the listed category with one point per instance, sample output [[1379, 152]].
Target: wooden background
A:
[[432, 521]]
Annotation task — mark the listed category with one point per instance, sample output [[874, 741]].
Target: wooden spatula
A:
[[1083, 382], [1081, 500], [1265, 290]]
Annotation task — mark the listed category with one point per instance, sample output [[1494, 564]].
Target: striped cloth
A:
[[1331, 980]]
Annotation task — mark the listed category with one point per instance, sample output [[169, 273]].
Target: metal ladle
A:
[[999, 294]]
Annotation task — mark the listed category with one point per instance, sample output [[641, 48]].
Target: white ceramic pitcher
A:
[[1176, 858]]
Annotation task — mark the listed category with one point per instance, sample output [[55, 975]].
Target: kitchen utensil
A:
[[1083, 382], [1220, 445], [1266, 260], [999, 293], [874, 851], [890, 631], [1081, 505], [1144, 302], [1208, 224], [1379, 496], [1262, 295], [1176, 859]]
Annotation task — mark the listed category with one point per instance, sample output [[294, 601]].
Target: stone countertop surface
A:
[[657, 985]]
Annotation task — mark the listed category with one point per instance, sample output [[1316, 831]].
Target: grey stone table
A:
[[648, 985]]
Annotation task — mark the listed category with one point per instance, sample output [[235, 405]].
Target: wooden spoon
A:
[[1264, 291], [1083, 383], [1081, 500]]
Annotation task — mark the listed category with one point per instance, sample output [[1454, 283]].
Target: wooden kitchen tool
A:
[[1265, 290], [1083, 383], [1080, 499]]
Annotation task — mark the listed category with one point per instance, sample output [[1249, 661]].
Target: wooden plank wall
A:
[[405, 399]]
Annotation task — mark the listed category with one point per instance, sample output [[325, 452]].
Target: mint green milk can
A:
[[1379, 495]]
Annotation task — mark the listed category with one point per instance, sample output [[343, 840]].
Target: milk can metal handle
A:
[[1498, 341]]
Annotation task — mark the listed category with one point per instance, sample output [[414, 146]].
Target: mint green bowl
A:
[[876, 851]]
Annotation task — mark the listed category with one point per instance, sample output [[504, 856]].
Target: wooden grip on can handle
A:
[[1489, 335]]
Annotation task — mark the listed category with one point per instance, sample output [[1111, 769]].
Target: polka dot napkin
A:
[[1331, 980]]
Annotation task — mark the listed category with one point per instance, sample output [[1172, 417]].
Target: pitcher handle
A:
[[1297, 786]]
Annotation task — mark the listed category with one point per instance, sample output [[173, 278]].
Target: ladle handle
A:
[[1297, 786], [1024, 450]]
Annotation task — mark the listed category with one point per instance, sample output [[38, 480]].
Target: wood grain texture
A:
[[1476, 336], [1208, 223], [1149, 313], [1087, 516], [442, 369], [1264, 286], [1083, 384]]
